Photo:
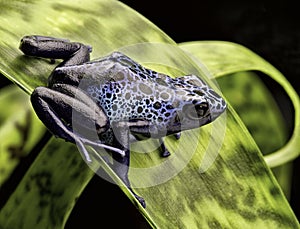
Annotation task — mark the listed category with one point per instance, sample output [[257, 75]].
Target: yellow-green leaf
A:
[[216, 176], [20, 129], [254, 103], [223, 58]]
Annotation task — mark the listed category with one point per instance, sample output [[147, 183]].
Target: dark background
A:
[[270, 29]]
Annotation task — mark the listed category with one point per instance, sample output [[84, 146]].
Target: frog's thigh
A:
[[53, 106], [88, 113], [47, 105]]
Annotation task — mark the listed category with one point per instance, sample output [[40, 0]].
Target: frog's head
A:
[[196, 103]]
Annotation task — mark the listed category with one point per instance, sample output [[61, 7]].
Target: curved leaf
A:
[[221, 179], [105, 23], [223, 58], [252, 100], [20, 129], [254, 103]]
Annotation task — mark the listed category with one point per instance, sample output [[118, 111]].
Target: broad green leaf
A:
[[107, 25], [224, 182], [255, 104], [20, 129], [252, 100], [47, 192], [223, 58]]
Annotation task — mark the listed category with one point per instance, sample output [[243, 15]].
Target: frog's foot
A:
[[140, 199], [164, 151], [177, 135]]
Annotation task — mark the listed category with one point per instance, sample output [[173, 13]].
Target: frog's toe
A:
[[165, 153], [177, 135], [141, 200]]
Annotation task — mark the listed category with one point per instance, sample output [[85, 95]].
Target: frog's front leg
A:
[[163, 149], [54, 106], [164, 152]]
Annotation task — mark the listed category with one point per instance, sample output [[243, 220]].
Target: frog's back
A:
[[128, 91], [133, 92], [113, 67], [116, 62]]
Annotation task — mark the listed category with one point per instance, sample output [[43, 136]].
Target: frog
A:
[[118, 98]]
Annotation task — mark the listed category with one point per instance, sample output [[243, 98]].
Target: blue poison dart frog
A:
[[119, 99]]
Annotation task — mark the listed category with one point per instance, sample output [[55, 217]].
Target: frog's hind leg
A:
[[48, 103], [72, 53], [121, 163]]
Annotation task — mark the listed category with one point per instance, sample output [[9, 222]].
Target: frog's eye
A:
[[197, 111]]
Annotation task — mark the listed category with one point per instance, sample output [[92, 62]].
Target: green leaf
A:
[[20, 129], [223, 58], [216, 176], [254, 103], [106, 22], [47, 193]]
